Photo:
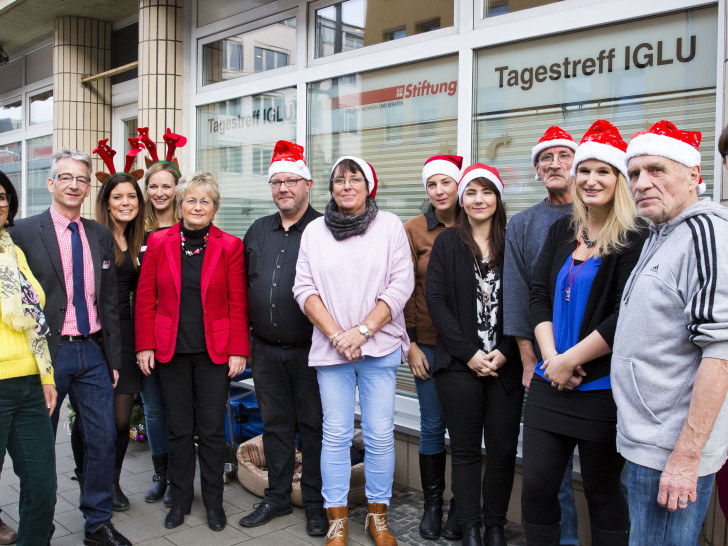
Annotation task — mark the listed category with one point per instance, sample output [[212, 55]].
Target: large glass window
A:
[[258, 50], [11, 116], [11, 163], [41, 108], [357, 23], [632, 74], [235, 141], [39, 169], [491, 8]]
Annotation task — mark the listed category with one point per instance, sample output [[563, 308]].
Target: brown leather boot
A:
[[338, 530], [377, 525]]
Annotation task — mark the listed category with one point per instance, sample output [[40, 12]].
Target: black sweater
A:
[[451, 301], [602, 306]]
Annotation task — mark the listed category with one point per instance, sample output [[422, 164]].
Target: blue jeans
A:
[[154, 414], [82, 373], [655, 525], [432, 420], [26, 432], [375, 377], [567, 502]]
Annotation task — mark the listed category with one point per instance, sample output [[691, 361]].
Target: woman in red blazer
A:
[[192, 318]]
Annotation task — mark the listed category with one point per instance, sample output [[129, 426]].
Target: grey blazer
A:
[[36, 236]]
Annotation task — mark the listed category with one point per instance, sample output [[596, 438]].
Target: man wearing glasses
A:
[[73, 259], [286, 387], [552, 157]]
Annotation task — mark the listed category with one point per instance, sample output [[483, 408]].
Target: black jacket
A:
[[451, 301], [602, 306]]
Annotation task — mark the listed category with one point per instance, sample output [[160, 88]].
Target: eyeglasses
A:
[[67, 178], [4, 201], [193, 202], [354, 181], [291, 182], [563, 157]]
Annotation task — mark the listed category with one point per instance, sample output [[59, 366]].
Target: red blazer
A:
[[224, 296]]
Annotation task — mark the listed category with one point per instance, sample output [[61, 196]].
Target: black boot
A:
[[432, 476], [600, 537], [120, 502], [451, 530], [168, 495], [542, 535], [494, 536], [159, 480], [471, 536]]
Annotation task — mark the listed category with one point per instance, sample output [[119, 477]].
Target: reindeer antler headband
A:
[[172, 140], [106, 153]]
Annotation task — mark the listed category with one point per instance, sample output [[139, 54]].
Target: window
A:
[[39, 168], [515, 103], [11, 163], [41, 108], [353, 24], [491, 8], [235, 141], [258, 50], [11, 116]]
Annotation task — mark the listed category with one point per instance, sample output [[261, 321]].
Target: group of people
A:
[[602, 301]]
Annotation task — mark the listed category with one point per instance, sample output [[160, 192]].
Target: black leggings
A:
[[123, 406], [545, 456], [472, 407]]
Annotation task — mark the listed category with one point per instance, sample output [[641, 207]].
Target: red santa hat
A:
[[666, 140], [554, 136], [366, 168], [479, 170], [288, 158], [450, 165], [603, 142]]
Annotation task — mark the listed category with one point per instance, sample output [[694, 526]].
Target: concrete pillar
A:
[[81, 114], [160, 69]]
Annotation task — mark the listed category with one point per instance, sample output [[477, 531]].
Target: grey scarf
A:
[[343, 227]]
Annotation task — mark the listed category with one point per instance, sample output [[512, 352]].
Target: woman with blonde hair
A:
[[582, 270]]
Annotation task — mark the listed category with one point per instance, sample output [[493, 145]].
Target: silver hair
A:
[[64, 154], [202, 180]]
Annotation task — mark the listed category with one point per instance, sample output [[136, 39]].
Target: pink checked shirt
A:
[[63, 234]]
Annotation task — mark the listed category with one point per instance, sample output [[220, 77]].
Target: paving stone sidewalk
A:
[[143, 523]]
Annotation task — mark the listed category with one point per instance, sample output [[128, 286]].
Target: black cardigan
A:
[[451, 301], [602, 306]]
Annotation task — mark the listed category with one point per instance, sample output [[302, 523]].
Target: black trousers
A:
[[473, 407], [195, 393], [545, 455], [287, 390]]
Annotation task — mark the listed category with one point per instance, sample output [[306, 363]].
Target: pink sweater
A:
[[350, 276]]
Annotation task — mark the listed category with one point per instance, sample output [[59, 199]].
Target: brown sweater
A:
[[421, 232]]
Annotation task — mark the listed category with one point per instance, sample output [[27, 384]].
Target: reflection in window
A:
[[235, 141], [11, 164], [41, 108], [39, 168], [491, 8], [11, 116], [258, 50], [357, 23]]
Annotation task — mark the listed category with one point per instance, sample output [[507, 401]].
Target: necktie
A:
[[79, 291]]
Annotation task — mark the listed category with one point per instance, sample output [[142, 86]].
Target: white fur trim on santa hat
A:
[[440, 166], [363, 165], [295, 167], [665, 146], [471, 175], [602, 152], [541, 146]]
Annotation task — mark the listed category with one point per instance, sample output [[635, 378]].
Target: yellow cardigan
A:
[[16, 359]]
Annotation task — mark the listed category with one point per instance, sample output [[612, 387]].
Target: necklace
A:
[[488, 281], [196, 251], [567, 290], [585, 237]]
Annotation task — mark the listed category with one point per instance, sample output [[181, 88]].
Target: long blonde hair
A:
[[150, 214], [621, 219]]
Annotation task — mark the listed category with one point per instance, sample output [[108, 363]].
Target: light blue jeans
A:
[[154, 415], [375, 377], [653, 525], [432, 420]]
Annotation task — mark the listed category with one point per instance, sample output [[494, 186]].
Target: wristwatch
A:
[[363, 330]]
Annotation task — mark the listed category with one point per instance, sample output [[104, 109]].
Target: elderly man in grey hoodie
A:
[[669, 367]]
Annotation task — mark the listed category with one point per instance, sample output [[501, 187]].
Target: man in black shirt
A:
[[286, 387]]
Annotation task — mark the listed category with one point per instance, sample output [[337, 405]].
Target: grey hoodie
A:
[[674, 312]]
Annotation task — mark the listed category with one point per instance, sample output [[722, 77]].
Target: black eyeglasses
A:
[[67, 178], [4, 200], [291, 182]]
